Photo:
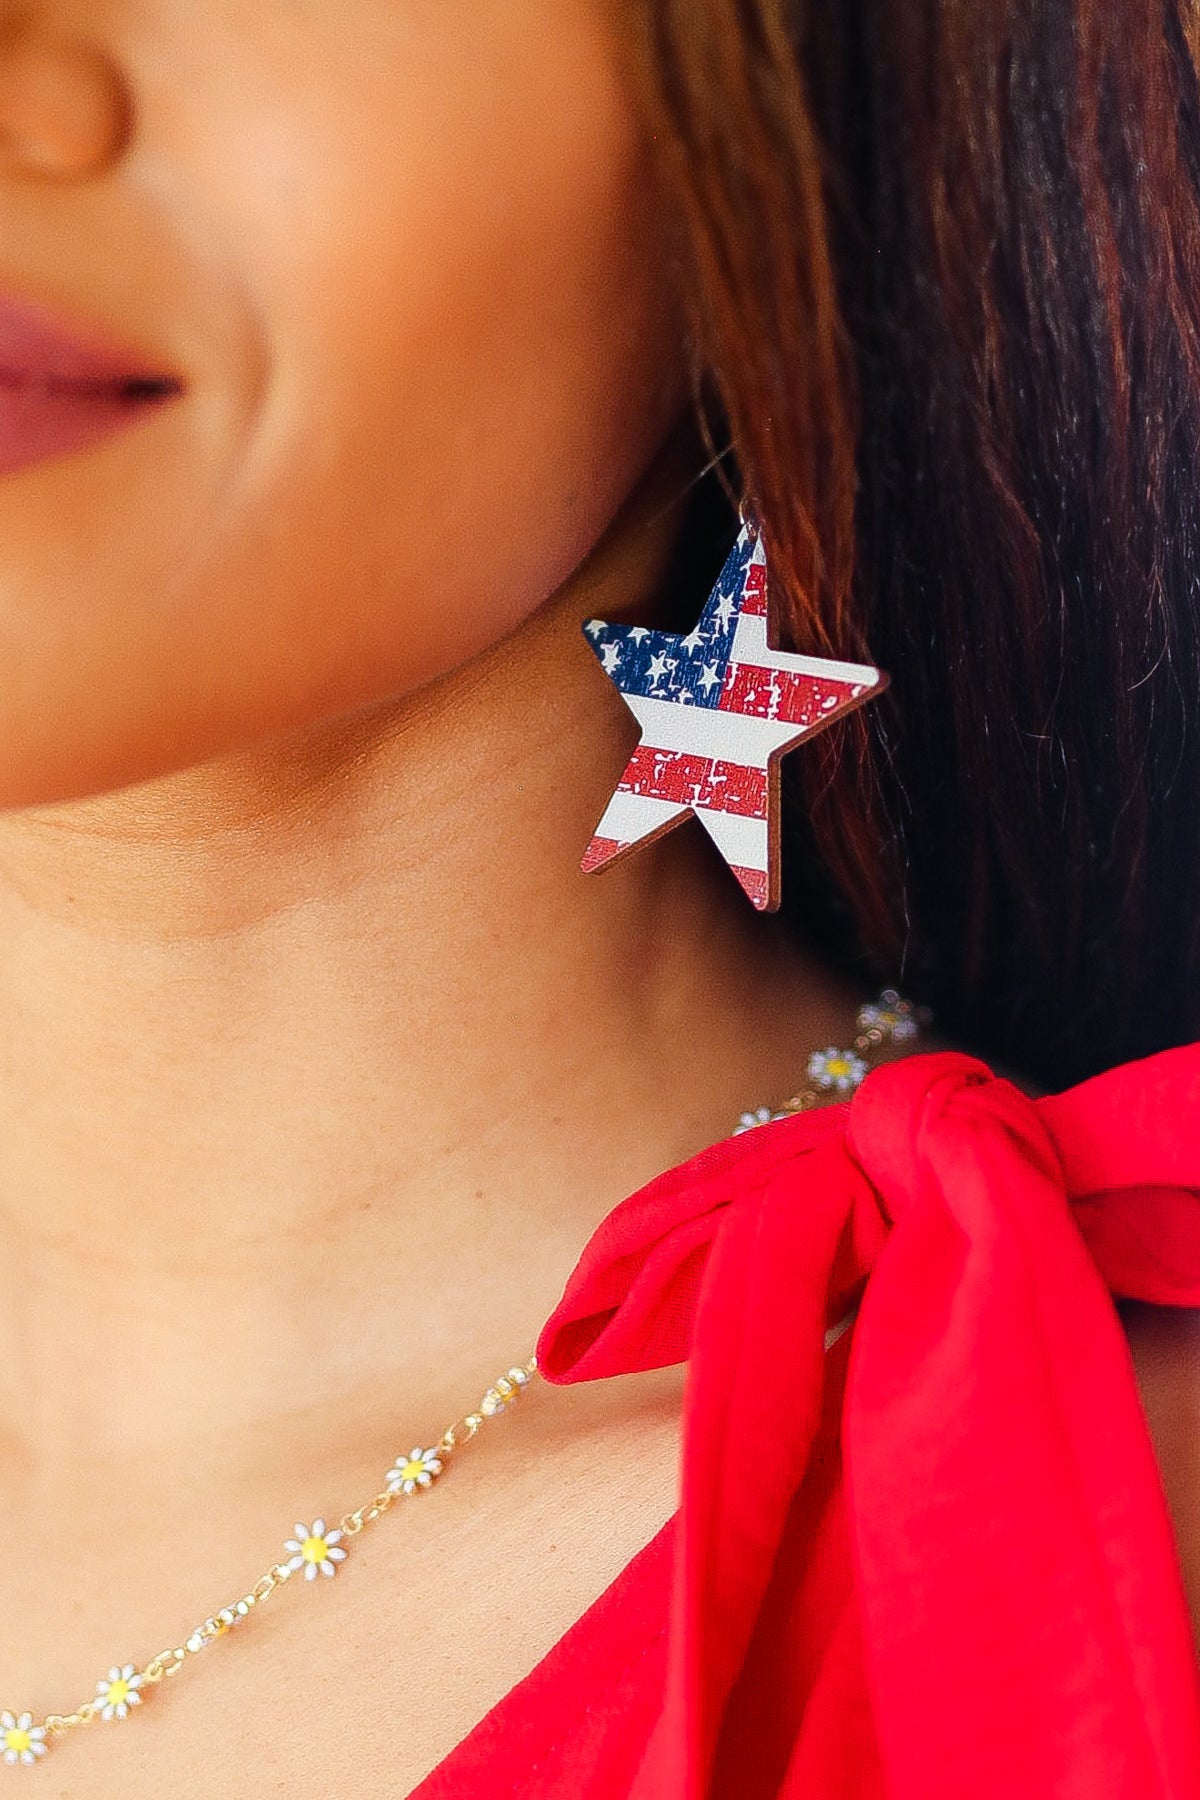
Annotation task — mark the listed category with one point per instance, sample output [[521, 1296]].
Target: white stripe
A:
[[704, 731], [740, 837], [750, 646], [630, 817]]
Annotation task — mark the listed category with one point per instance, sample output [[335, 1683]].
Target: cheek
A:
[[486, 354], [448, 349]]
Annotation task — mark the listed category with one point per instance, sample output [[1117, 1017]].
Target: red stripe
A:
[[755, 593], [598, 852], [691, 780], [755, 883], [807, 700]]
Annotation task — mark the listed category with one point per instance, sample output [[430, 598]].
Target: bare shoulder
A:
[[1164, 1342]]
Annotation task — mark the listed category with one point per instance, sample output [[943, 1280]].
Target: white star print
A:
[[709, 677], [660, 666], [693, 640], [610, 656]]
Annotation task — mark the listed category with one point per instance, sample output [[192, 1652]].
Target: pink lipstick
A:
[[62, 388]]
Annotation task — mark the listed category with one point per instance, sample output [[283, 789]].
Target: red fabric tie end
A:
[[977, 1593]]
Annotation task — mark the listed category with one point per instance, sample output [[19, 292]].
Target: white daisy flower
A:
[[889, 1015], [22, 1740], [834, 1068], [762, 1115], [416, 1470], [119, 1691], [315, 1550]]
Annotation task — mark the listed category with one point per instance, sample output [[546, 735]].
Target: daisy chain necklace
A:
[[319, 1548]]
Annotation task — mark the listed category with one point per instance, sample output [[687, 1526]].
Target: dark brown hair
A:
[[943, 259]]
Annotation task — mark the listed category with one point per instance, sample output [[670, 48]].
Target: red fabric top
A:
[[934, 1563]]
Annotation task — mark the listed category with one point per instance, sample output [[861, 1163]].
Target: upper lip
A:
[[39, 348]]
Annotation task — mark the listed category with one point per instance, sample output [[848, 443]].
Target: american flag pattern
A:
[[717, 710]]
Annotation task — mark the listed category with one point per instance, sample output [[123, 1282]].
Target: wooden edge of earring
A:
[[774, 897]]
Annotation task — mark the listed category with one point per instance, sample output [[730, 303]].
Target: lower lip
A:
[[36, 426]]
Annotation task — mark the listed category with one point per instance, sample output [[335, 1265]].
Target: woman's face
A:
[[402, 255]]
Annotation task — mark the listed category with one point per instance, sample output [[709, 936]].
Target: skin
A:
[[319, 1058], [1165, 1345]]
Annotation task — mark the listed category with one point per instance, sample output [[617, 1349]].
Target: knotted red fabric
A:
[[935, 1562]]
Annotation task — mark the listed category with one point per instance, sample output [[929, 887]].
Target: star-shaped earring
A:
[[718, 708]]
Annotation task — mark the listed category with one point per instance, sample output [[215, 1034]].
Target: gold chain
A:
[[834, 1072], [318, 1549]]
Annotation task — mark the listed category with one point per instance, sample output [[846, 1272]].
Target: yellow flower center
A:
[[837, 1066], [314, 1549], [17, 1740], [412, 1468], [117, 1691]]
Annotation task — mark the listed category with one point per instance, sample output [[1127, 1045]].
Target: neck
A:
[[319, 1063]]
